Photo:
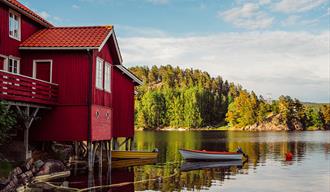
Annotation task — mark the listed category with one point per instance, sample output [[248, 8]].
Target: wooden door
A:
[[43, 70], [2, 63]]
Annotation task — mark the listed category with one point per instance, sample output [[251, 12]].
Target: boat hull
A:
[[198, 165], [207, 155], [133, 155]]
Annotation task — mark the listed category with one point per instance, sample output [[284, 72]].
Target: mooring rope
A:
[[159, 178]]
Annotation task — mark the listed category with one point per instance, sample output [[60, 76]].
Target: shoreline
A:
[[225, 128]]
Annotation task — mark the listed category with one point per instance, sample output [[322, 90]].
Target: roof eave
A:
[[129, 74], [43, 23], [112, 32], [57, 48]]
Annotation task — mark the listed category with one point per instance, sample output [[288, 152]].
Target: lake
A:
[[265, 170]]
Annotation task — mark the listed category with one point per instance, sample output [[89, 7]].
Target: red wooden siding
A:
[[67, 121], [123, 105], [101, 118], [62, 123], [8, 45], [101, 97], [70, 72]]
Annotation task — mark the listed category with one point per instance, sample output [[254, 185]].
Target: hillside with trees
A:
[[174, 98]]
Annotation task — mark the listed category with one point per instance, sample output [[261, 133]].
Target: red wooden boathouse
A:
[[72, 77]]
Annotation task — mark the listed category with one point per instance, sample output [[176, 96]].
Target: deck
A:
[[20, 88]]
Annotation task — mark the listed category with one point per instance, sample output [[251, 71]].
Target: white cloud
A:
[[49, 17], [75, 6], [297, 6], [264, 2], [138, 31], [291, 20], [44, 14], [290, 63], [248, 16], [296, 20], [158, 2]]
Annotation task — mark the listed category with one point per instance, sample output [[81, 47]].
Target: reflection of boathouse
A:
[[70, 77]]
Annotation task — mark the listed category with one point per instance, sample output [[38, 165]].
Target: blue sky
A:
[[274, 47]]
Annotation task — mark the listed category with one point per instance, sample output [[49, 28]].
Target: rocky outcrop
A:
[[274, 123]]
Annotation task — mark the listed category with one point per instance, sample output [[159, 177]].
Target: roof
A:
[[68, 37], [14, 4], [129, 74]]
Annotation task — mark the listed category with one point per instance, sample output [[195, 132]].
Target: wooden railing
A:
[[20, 88]]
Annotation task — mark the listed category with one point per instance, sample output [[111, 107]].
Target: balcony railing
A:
[[20, 88]]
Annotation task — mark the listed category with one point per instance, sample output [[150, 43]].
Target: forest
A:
[[173, 98]]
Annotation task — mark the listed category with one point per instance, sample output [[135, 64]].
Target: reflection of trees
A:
[[168, 143], [266, 145], [260, 146], [191, 180]]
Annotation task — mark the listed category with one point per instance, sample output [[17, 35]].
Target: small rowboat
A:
[[199, 165], [134, 154], [210, 155]]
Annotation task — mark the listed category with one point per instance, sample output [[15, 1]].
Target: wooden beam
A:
[[27, 121], [22, 104]]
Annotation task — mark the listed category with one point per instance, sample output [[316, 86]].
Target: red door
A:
[[2, 63], [43, 70]]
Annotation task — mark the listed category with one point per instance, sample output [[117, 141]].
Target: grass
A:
[[312, 129], [5, 169]]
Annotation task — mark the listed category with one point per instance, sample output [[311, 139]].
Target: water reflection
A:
[[266, 169], [266, 149]]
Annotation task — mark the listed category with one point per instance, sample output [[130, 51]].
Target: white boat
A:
[[197, 165], [210, 155]]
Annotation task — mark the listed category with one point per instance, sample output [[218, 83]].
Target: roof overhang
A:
[[129, 74], [111, 35], [58, 48], [41, 22]]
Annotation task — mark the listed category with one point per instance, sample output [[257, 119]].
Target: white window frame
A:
[[5, 61], [107, 77], [19, 25], [34, 72], [99, 72], [18, 64]]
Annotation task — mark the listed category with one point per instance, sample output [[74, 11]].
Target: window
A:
[[14, 25], [99, 73], [13, 65], [107, 77]]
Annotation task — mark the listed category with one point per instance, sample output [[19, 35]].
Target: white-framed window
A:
[[13, 65], [14, 25], [99, 73], [107, 77]]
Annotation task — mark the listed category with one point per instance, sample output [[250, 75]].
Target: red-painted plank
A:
[[101, 118]]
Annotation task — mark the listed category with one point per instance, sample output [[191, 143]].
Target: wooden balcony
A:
[[20, 88]]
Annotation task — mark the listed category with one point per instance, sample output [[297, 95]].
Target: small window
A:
[[99, 73], [14, 25], [107, 77], [13, 65]]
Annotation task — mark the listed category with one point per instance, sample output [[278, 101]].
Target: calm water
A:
[[266, 169]]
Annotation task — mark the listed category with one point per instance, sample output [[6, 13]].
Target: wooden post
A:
[[90, 156], [28, 120], [126, 144], [109, 148], [100, 155], [132, 144], [76, 150], [115, 144]]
